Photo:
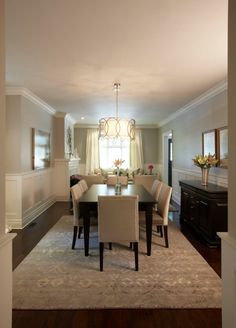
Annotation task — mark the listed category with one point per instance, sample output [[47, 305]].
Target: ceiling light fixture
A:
[[116, 127]]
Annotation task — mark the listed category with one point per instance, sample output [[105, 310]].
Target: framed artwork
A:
[[222, 147], [209, 142]]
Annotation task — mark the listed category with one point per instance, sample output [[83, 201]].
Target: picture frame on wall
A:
[[222, 146], [209, 142]]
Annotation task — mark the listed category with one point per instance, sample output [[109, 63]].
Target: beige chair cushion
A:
[[93, 179], [118, 219], [160, 215], [76, 193], [83, 185], [112, 180], [145, 180]]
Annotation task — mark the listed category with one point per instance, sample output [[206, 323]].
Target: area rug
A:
[[53, 276]]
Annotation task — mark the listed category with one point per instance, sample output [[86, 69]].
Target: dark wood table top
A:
[[91, 195]]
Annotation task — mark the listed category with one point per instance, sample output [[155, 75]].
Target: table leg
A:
[[86, 220], [148, 217]]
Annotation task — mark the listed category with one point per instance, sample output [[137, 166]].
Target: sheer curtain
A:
[[136, 151], [92, 151]]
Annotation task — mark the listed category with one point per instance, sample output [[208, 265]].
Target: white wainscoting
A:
[[28, 195], [178, 174]]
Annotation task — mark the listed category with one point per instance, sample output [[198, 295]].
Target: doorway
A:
[[167, 157]]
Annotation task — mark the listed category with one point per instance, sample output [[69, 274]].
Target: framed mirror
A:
[[222, 147], [209, 142]]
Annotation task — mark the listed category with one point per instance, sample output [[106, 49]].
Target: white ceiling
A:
[[69, 53]]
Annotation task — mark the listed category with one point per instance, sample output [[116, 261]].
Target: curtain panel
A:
[[136, 151], [92, 151]]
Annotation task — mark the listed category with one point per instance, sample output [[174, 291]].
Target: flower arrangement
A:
[[206, 161], [150, 167], [118, 162]]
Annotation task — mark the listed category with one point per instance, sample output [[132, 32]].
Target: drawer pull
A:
[[185, 193], [222, 204], [203, 203]]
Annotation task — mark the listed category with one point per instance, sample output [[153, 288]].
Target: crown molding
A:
[[26, 93], [60, 114], [209, 94]]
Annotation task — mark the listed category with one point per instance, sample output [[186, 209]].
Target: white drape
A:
[[136, 151], [92, 151]]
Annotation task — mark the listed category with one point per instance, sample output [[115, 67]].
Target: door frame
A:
[[165, 136]]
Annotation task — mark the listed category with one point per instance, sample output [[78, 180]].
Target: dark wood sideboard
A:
[[205, 209]]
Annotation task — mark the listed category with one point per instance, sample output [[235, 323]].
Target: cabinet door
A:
[[204, 219], [193, 209], [189, 207], [184, 204]]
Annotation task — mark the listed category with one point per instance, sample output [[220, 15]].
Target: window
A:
[[111, 149]]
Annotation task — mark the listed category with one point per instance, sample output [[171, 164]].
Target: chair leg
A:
[[74, 236], [159, 230], [166, 236], [110, 246], [80, 231], [136, 255], [101, 249]]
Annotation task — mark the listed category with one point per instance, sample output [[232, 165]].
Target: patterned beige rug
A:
[[53, 276]]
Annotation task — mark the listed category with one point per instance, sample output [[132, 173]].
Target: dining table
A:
[[89, 201]]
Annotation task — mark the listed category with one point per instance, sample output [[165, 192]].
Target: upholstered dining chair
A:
[[160, 214], [145, 180], [155, 191], [76, 193], [83, 185], [93, 179], [118, 221], [112, 180]]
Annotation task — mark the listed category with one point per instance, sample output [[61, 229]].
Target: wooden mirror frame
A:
[[222, 147]]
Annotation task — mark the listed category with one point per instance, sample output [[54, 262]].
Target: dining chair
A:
[[93, 179], [155, 191], [76, 193], [145, 180], [118, 221], [112, 180], [160, 214], [83, 185]]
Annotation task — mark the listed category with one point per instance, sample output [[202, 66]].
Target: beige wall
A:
[[59, 137], [232, 117], [2, 119], [21, 116], [150, 138], [187, 132]]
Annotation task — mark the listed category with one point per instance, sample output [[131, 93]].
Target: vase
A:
[[150, 171], [118, 184], [205, 173]]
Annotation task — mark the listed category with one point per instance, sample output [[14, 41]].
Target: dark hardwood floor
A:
[[174, 318]]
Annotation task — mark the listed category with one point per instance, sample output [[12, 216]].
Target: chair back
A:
[[156, 189], [163, 202], [112, 180], [145, 180], [76, 193], [83, 185], [118, 218], [93, 179]]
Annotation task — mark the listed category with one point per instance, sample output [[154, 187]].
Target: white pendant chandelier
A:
[[116, 127]]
